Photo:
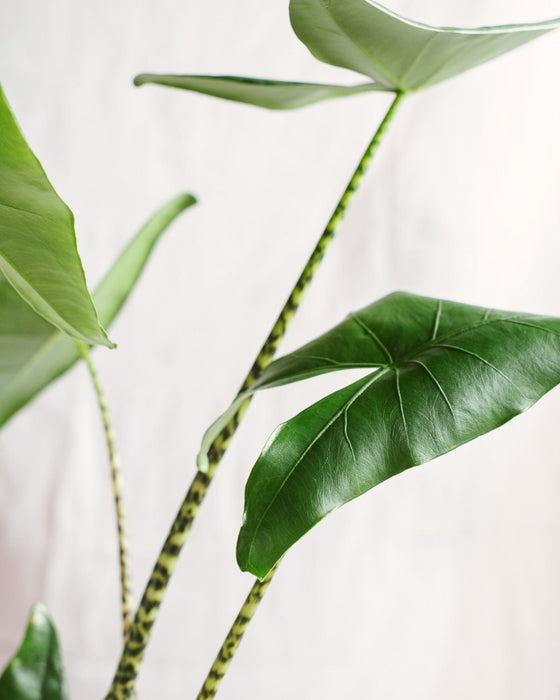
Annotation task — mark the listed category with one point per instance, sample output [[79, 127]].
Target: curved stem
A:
[[131, 658], [116, 479], [234, 637]]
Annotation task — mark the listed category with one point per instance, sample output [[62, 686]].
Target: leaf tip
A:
[[240, 549], [39, 614], [107, 342], [245, 561], [259, 571], [140, 79], [186, 199]]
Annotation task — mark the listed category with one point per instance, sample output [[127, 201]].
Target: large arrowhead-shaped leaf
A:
[[272, 94], [33, 353], [38, 253], [396, 52], [36, 672], [447, 373]]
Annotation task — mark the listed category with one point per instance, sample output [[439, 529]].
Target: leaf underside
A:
[[33, 353], [38, 253], [398, 54], [445, 373], [395, 52], [271, 94], [35, 672]]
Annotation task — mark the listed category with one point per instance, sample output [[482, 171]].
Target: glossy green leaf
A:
[[396, 52], [447, 373], [36, 672], [38, 253], [272, 94], [33, 353]]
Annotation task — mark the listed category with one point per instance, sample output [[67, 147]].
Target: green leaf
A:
[[447, 373], [271, 94], [33, 353], [36, 672], [398, 53], [38, 253]]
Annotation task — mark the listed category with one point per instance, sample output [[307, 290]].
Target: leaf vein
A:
[[519, 322], [401, 407], [346, 436], [438, 385], [437, 319], [336, 363], [21, 209], [371, 334], [487, 363]]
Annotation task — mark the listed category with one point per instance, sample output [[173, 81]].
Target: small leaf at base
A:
[[36, 672]]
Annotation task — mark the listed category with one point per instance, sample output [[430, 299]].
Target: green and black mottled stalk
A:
[[116, 479], [234, 637], [131, 659]]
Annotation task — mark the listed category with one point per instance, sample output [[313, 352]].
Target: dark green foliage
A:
[[446, 373]]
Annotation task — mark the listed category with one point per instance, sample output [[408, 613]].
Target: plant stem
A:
[[268, 350], [234, 637], [131, 658], [116, 479]]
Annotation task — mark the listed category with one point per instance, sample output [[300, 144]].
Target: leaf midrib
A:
[[382, 69], [17, 271]]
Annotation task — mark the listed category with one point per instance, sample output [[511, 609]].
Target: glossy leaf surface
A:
[[447, 373], [38, 253], [36, 672], [399, 53], [272, 94], [33, 353]]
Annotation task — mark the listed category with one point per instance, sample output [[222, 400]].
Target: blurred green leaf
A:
[[33, 353], [398, 53], [36, 672], [272, 94], [447, 373], [38, 253]]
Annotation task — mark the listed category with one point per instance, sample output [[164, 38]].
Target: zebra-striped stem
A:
[[133, 652], [278, 331], [234, 637], [116, 480]]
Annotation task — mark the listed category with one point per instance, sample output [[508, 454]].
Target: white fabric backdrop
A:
[[440, 583]]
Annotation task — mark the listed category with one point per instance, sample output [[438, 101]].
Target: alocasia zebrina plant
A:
[[397, 55], [444, 372]]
